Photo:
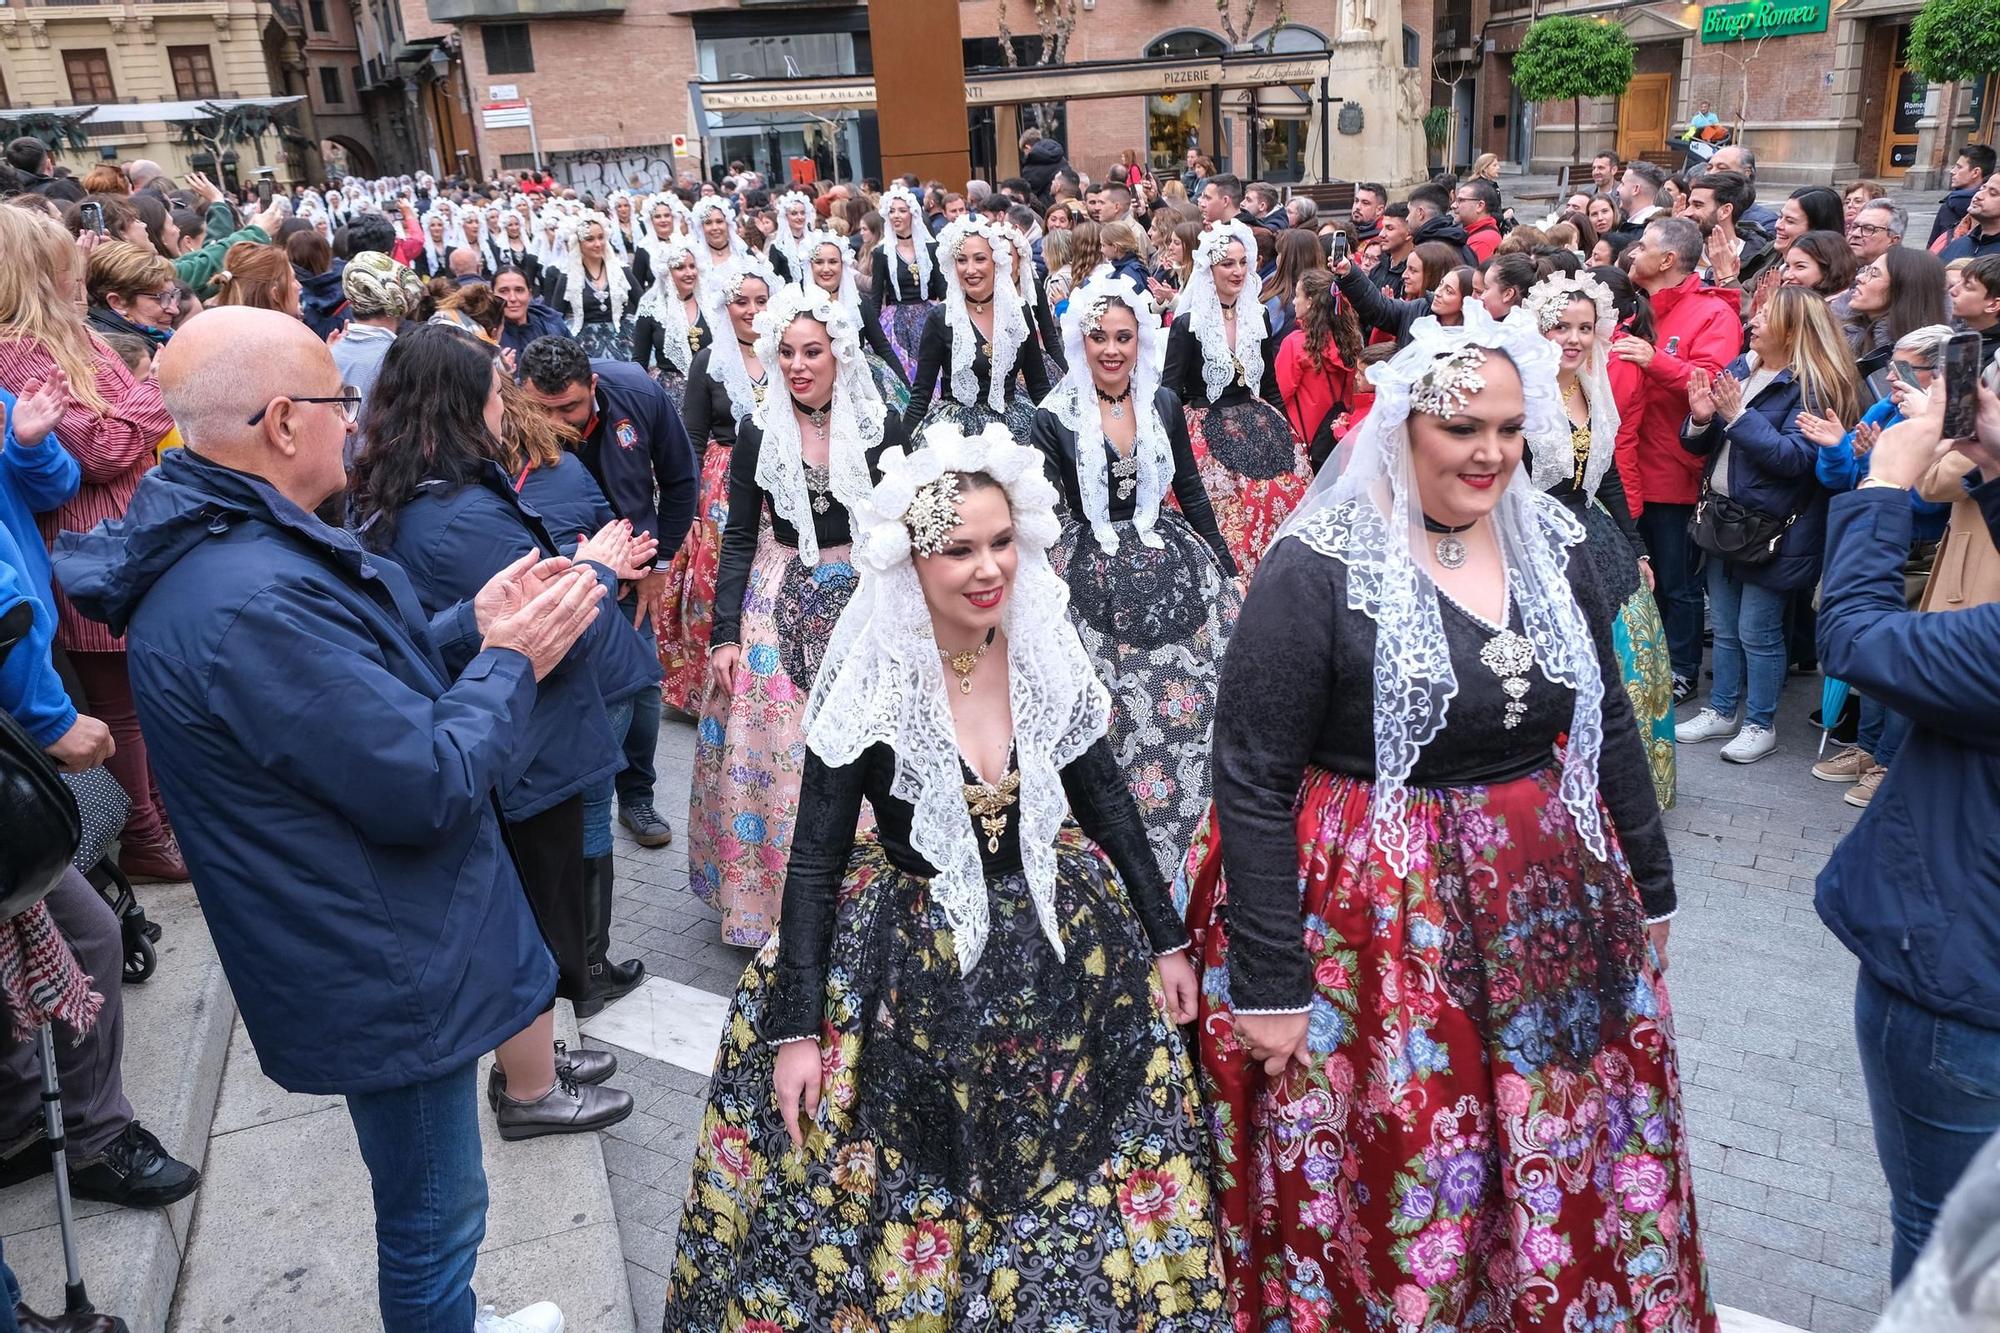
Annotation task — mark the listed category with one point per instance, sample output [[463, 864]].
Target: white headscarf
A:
[[919, 240], [1010, 322], [725, 357], [1554, 461], [792, 247], [663, 303], [849, 295], [1204, 311], [703, 256], [1370, 520], [618, 285], [882, 681], [1074, 403], [854, 422]]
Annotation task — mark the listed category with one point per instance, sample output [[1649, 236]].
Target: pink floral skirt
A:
[[690, 601]]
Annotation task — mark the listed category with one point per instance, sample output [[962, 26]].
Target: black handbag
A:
[[1730, 530], [39, 823]]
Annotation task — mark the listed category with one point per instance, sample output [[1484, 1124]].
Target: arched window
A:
[[1290, 39], [1278, 116], [1177, 123]]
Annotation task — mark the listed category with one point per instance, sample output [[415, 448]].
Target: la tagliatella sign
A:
[[1747, 20]]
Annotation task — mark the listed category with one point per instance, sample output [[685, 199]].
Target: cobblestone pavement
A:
[[1791, 1203]]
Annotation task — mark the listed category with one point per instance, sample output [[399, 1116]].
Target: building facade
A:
[[609, 84], [67, 55], [1820, 91], [412, 90]]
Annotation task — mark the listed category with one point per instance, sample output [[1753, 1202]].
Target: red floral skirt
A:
[[690, 600], [1489, 1137], [1253, 469]]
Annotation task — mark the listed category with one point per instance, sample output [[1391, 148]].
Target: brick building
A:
[[609, 83], [1820, 92]]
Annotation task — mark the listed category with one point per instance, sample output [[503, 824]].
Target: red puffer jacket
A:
[[1693, 326]]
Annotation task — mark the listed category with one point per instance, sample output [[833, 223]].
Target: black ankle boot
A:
[[608, 981]]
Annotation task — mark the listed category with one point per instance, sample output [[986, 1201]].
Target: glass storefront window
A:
[[1176, 122]]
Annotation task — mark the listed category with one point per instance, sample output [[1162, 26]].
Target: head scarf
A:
[[662, 303], [920, 243], [725, 360], [1370, 519], [1553, 462], [618, 286], [1074, 403], [1010, 322], [882, 681], [1222, 365], [377, 286]]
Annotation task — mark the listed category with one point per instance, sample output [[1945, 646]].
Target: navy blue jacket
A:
[[331, 782], [1975, 244], [541, 322], [1913, 890], [637, 449], [1951, 211], [322, 303], [453, 538], [1773, 470]]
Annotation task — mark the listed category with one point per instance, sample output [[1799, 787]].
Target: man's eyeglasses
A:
[[349, 399], [1865, 229]]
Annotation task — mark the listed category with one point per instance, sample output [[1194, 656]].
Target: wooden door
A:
[[1643, 115], [1906, 107]]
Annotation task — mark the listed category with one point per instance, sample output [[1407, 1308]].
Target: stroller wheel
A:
[[140, 960], [137, 933]]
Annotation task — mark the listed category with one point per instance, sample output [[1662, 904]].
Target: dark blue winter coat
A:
[[451, 539], [322, 303], [1914, 889], [1773, 470], [541, 322], [330, 755], [638, 450]]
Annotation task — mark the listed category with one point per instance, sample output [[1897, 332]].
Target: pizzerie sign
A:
[[1748, 20]]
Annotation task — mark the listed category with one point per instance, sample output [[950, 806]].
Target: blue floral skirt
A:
[[1018, 1148], [903, 321], [607, 342], [750, 745]]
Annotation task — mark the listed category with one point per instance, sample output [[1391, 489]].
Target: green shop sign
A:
[[1748, 20]]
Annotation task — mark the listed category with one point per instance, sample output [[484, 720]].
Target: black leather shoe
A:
[[25, 1158], [585, 1066], [134, 1171], [31, 1322], [567, 1108], [648, 829]]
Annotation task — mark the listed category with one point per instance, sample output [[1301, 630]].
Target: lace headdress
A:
[[1010, 322], [783, 241], [881, 680], [1370, 520], [618, 286], [1074, 403], [623, 236], [1219, 362], [725, 358], [920, 243], [663, 303], [854, 421], [849, 294], [1554, 460], [652, 243], [697, 216]]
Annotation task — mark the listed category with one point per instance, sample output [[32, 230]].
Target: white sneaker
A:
[[1751, 744], [1707, 725], [541, 1317]]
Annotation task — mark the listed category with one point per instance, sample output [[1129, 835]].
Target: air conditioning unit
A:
[[1447, 37]]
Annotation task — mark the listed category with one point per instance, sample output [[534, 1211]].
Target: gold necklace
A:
[[989, 802], [962, 664]]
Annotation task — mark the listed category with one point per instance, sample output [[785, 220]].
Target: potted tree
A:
[[1437, 128]]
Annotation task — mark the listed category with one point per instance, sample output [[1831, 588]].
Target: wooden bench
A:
[[1331, 197]]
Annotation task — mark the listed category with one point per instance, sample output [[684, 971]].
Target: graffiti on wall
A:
[[603, 170]]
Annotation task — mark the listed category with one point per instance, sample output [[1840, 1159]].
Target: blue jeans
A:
[[1677, 582], [1749, 624], [1882, 731], [597, 803], [642, 736], [1934, 1095], [421, 1146]]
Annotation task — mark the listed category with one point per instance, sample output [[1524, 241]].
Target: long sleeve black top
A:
[[877, 341], [1297, 689], [1616, 560], [823, 836], [883, 292], [1058, 444], [747, 504], [1047, 330], [1391, 314], [706, 411], [649, 340], [934, 370], [1183, 371]]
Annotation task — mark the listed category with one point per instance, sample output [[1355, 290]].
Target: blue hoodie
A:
[[330, 754], [33, 480]]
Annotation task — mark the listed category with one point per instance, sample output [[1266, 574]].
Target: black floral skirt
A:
[[1018, 1148], [1018, 418]]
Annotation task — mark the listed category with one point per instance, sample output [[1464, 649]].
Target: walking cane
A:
[[75, 1299]]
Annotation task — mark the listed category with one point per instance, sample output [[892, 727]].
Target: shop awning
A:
[[128, 113], [1058, 83]]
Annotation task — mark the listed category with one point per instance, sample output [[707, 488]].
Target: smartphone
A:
[[1901, 370], [1339, 248], [264, 193], [1961, 385], [92, 216]]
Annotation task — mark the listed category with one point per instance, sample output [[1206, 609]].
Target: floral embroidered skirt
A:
[[903, 321], [1019, 417], [673, 382], [1255, 472], [888, 382], [1155, 621], [1641, 641], [1489, 1137], [690, 599], [1019, 1148], [750, 746], [607, 342]]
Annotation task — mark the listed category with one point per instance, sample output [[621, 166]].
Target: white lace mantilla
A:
[[663, 304], [1074, 403], [1220, 361], [725, 356], [1010, 321], [882, 681], [1554, 462], [920, 258], [618, 286]]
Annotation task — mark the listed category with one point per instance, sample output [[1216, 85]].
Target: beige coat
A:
[[1967, 569]]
